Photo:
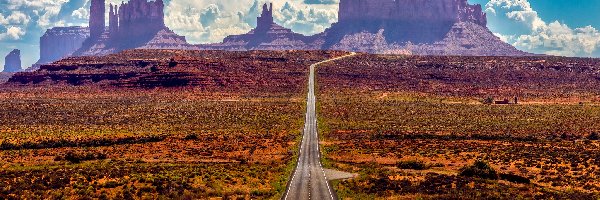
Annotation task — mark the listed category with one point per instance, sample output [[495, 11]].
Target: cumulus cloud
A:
[[305, 20], [209, 21], [12, 33], [209, 15], [205, 21], [201, 21], [17, 18], [22, 23], [554, 38]]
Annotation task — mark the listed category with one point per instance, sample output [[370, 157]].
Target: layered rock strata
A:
[[132, 25], [61, 42], [422, 27]]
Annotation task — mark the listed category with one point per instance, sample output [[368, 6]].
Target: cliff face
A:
[[97, 23], [61, 42], [422, 21], [206, 70], [422, 27], [12, 62], [431, 11], [132, 25]]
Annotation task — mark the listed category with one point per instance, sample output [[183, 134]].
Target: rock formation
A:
[[433, 11], [415, 21], [97, 24], [266, 36], [135, 24], [205, 70], [12, 62], [423, 27], [467, 38], [61, 42]]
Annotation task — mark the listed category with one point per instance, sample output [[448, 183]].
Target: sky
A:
[[555, 27]]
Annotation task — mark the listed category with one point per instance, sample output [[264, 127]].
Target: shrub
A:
[[593, 136], [172, 63], [488, 100], [192, 136], [479, 169], [76, 157], [514, 178], [412, 164]]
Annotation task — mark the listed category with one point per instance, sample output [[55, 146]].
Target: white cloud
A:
[[18, 18], [552, 38], [12, 33], [209, 21], [305, 20], [3, 20]]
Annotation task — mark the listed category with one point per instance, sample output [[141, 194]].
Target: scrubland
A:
[[229, 128], [412, 127]]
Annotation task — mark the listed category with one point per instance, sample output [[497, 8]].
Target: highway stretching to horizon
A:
[[309, 180]]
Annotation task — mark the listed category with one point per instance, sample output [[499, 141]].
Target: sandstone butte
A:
[[12, 61], [424, 27]]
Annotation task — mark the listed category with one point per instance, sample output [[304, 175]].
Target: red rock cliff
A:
[[60, 42], [412, 10], [12, 62]]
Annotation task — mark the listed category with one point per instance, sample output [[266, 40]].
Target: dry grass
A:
[[377, 112]]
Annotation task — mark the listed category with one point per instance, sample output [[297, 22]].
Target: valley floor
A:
[[410, 135]]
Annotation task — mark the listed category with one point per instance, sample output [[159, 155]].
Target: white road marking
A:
[[310, 125]]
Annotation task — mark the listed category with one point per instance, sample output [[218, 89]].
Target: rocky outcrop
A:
[[211, 70], [469, 39], [266, 36], [133, 25], [97, 22], [424, 27], [464, 38], [61, 42], [403, 21], [166, 39], [138, 18], [432, 11], [12, 61]]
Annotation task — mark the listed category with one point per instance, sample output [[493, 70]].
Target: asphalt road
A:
[[309, 180]]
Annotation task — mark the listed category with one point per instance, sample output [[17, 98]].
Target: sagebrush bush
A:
[[412, 164], [479, 169], [593, 136]]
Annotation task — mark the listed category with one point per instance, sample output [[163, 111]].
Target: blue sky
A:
[[557, 27]]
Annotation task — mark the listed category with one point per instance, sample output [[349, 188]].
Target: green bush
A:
[[412, 164], [479, 169]]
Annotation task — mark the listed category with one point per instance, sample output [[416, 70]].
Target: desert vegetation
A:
[[421, 127], [111, 140], [147, 146]]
